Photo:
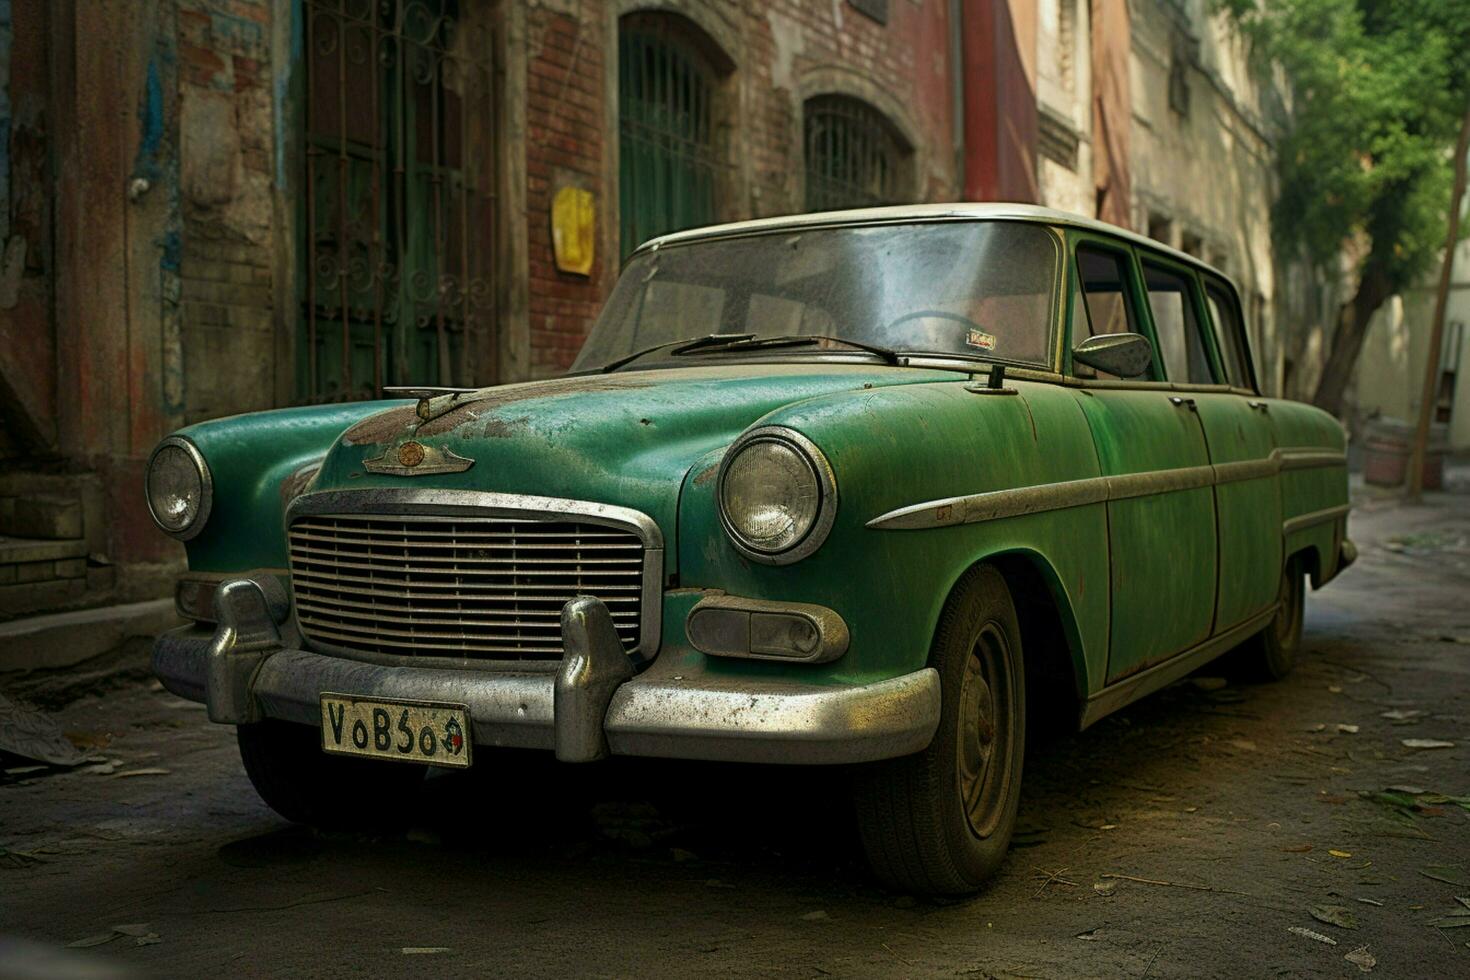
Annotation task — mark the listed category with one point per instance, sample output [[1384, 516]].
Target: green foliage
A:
[[1377, 91]]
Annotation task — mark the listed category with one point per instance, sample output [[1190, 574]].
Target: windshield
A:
[[978, 289]]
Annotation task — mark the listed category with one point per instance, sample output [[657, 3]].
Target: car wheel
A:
[[940, 821], [292, 774], [1271, 653]]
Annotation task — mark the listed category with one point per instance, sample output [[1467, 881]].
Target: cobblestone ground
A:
[[1211, 830]]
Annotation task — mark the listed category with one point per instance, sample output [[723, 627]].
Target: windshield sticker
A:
[[980, 339]]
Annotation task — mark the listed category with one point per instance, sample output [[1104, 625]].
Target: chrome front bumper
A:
[[590, 707]]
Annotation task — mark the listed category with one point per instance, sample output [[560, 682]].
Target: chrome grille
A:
[[488, 588]]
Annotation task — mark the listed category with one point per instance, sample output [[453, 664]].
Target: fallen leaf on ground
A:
[[1361, 958], [152, 939], [1400, 714], [1371, 901], [1104, 888], [1309, 934], [1448, 874], [133, 929], [1348, 729], [97, 940], [142, 772], [1333, 915], [1426, 743], [1298, 849], [817, 916], [1407, 790], [1341, 854], [1091, 934]]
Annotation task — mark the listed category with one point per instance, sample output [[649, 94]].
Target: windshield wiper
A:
[[750, 342], [684, 345]]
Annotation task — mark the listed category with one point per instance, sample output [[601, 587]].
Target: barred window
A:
[[853, 157]]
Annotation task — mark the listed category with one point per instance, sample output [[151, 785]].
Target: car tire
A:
[[292, 774], [940, 821], [1271, 653]]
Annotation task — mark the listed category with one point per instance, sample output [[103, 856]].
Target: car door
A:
[[1151, 446], [1242, 449]]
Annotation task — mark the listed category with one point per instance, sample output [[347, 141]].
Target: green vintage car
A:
[[864, 489]]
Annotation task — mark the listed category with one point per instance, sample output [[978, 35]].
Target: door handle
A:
[[1258, 406], [1179, 402]]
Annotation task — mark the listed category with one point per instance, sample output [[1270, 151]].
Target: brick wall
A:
[[783, 52], [226, 292], [564, 146]]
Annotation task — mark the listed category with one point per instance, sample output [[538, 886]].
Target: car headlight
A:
[[777, 495], [178, 488]]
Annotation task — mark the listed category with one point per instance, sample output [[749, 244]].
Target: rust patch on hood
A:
[[707, 474], [478, 406], [504, 428], [381, 428], [296, 482]]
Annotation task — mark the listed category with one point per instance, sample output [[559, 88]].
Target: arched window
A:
[[853, 157], [669, 160]]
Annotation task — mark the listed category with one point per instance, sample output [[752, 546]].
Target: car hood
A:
[[627, 439]]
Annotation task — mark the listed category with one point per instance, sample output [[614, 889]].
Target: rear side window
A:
[[1181, 343], [1229, 333], [1100, 300]]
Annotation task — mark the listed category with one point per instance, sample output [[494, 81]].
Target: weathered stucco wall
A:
[[1389, 380]]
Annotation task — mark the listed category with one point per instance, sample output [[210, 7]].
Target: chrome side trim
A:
[[1145, 682], [1306, 459], [1303, 521], [409, 502], [996, 505]]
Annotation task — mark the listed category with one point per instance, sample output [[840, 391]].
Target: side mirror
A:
[[1123, 355]]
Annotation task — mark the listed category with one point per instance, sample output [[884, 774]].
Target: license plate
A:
[[409, 731]]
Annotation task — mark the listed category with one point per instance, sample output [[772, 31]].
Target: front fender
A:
[[257, 462], [896, 447]]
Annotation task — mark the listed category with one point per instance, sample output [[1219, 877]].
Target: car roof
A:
[[958, 211]]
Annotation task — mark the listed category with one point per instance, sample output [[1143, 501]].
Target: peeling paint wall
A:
[[228, 156]]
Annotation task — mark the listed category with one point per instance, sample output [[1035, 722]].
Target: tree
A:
[[1376, 88]]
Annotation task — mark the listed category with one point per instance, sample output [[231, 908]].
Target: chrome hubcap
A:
[[986, 720]]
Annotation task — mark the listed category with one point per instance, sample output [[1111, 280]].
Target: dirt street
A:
[[1211, 830]]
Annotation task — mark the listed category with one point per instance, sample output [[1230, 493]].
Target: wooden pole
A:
[[1415, 482]]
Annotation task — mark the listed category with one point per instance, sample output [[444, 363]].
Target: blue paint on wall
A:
[[172, 251], [150, 126]]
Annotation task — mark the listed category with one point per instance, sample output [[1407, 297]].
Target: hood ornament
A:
[[426, 394], [413, 458]]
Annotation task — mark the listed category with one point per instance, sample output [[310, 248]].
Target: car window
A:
[[1170, 299], [981, 290], [1229, 334], [667, 305], [1100, 300]]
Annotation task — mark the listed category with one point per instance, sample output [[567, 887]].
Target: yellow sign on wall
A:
[[573, 222]]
